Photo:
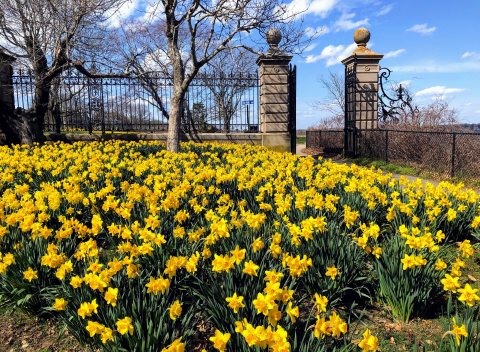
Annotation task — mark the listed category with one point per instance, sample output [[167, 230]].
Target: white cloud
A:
[[438, 67], [394, 53], [438, 91], [422, 29], [316, 32], [156, 61], [322, 7], [7, 45], [405, 83], [385, 9], [116, 16], [310, 47], [332, 54], [317, 7], [471, 55], [346, 23], [152, 11]]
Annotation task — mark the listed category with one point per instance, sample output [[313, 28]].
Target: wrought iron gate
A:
[[395, 104], [361, 105], [292, 107], [351, 142]]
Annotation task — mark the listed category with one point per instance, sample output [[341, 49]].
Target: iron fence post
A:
[[292, 107], [110, 103], [89, 97], [454, 142], [386, 146]]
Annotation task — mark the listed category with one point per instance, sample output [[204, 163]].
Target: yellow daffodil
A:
[[30, 274], [332, 272], [220, 340], [125, 326], [321, 303], [60, 304], [468, 295], [157, 285], [111, 296], [369, 342], [458, 331], [175, 310], [450, 283], [176, 346], [235, 302]]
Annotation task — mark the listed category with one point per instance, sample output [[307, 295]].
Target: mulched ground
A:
[[21, 332]]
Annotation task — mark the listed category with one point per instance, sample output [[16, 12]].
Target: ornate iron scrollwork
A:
[[392, 108], [95, 103]]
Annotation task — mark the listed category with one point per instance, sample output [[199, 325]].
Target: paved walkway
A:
[[301, 147]]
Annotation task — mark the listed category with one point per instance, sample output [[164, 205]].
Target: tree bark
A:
[[54, 105], [25, 126], [36, 116], [173, 140], [21, 126], [176, 101]]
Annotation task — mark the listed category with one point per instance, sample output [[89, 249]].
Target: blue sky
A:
[[431, 45]]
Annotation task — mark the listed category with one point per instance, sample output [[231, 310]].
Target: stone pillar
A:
[[361, 83], [7, 103], [6, 83], [274, 94]]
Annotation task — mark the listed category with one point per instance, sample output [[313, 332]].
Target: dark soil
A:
[[21, 332]]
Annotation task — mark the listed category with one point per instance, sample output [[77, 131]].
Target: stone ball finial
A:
[[274, 36], [361, 36]]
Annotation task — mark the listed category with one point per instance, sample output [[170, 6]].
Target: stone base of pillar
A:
[[277, 141]]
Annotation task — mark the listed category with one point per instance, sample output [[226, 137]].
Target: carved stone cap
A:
[[274, 37], [361, 37]]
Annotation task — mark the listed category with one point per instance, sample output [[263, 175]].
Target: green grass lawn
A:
[[301, 139], [402, 169], [386, 166]]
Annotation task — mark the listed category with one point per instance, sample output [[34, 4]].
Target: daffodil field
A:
[[229, 247]]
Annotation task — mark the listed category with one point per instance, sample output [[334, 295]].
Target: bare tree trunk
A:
[[36, 117], [176, 101], [54, 105], [26, 126], [173, 140]]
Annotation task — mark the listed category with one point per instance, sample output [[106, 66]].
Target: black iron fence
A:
[[292, 107], [452, 153], [328, 140], [78, 103]]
